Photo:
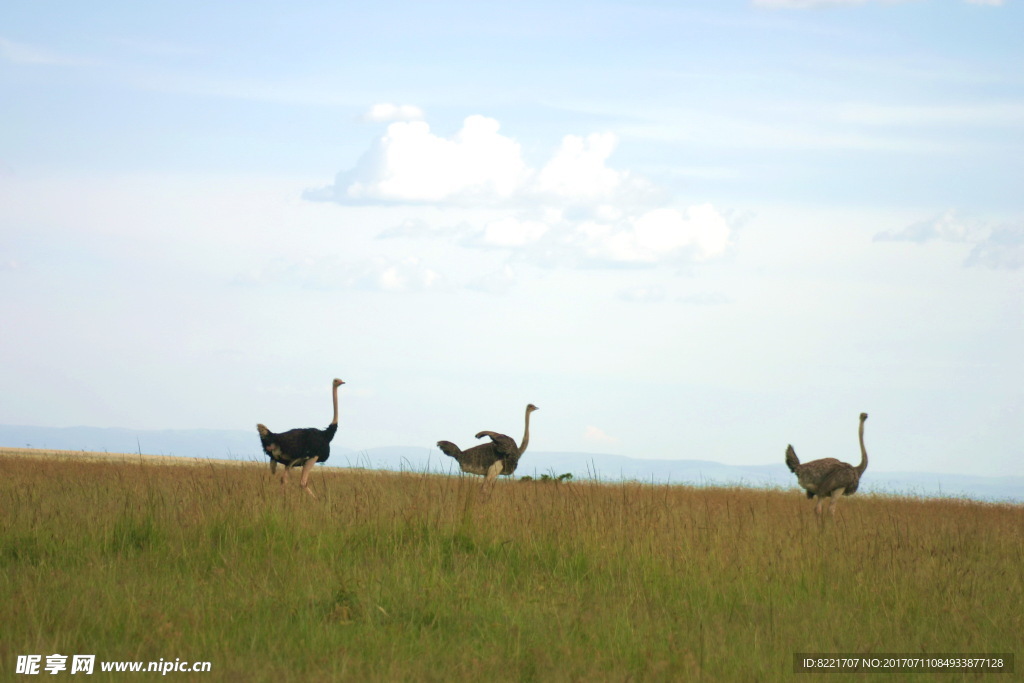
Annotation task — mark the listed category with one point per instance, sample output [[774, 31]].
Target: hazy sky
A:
[[683, 229]]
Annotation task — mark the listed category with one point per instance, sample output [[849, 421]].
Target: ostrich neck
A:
[[335, 420], [863, 451], [526, 434]]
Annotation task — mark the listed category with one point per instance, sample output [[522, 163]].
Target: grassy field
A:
[[415, 577]]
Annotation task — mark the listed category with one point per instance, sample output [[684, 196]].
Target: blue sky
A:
[[697, 231]]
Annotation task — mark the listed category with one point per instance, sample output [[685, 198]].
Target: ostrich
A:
[[500, 456], [304, 447], [829, 477]]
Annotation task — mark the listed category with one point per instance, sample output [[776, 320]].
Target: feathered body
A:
[[826, 477], [482, 458], [296, 446], [478, 459]]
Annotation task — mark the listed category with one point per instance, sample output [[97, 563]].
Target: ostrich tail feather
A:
[[449, 449], [792, 462]]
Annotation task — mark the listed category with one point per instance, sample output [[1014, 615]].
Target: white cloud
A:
[[994, 246], [658, 235], [579, 172], [1004, 248], [948, 226], [605, 237], [385, 112], [409, 164], [595, 435], [405, 275], [479, 165], [573, 209]]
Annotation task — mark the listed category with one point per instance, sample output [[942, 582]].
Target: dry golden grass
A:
[[50, 455], [416, 577]]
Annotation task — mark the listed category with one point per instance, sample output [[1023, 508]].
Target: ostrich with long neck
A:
[[300, 447], [498, 457], [828, 477]]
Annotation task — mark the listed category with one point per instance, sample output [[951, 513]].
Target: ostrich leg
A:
[[836, 495], [306, 468], [493, 471], [491, 479]]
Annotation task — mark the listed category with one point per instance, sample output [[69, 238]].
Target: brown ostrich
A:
[[500, 456], [828, 477], [300, 447]]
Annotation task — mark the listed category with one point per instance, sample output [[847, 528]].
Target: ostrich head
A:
[[863, 416], [530, 408], [337, 383]]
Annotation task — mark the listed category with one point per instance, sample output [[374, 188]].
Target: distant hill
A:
[[193, 443], [244, 445], [606, 467]]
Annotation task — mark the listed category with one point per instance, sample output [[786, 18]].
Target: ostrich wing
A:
[[504, 446], [845, 477]]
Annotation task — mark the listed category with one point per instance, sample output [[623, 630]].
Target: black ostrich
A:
[[305, 447], [500, 456]]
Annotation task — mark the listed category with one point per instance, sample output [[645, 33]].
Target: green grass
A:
[[416, 577]]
